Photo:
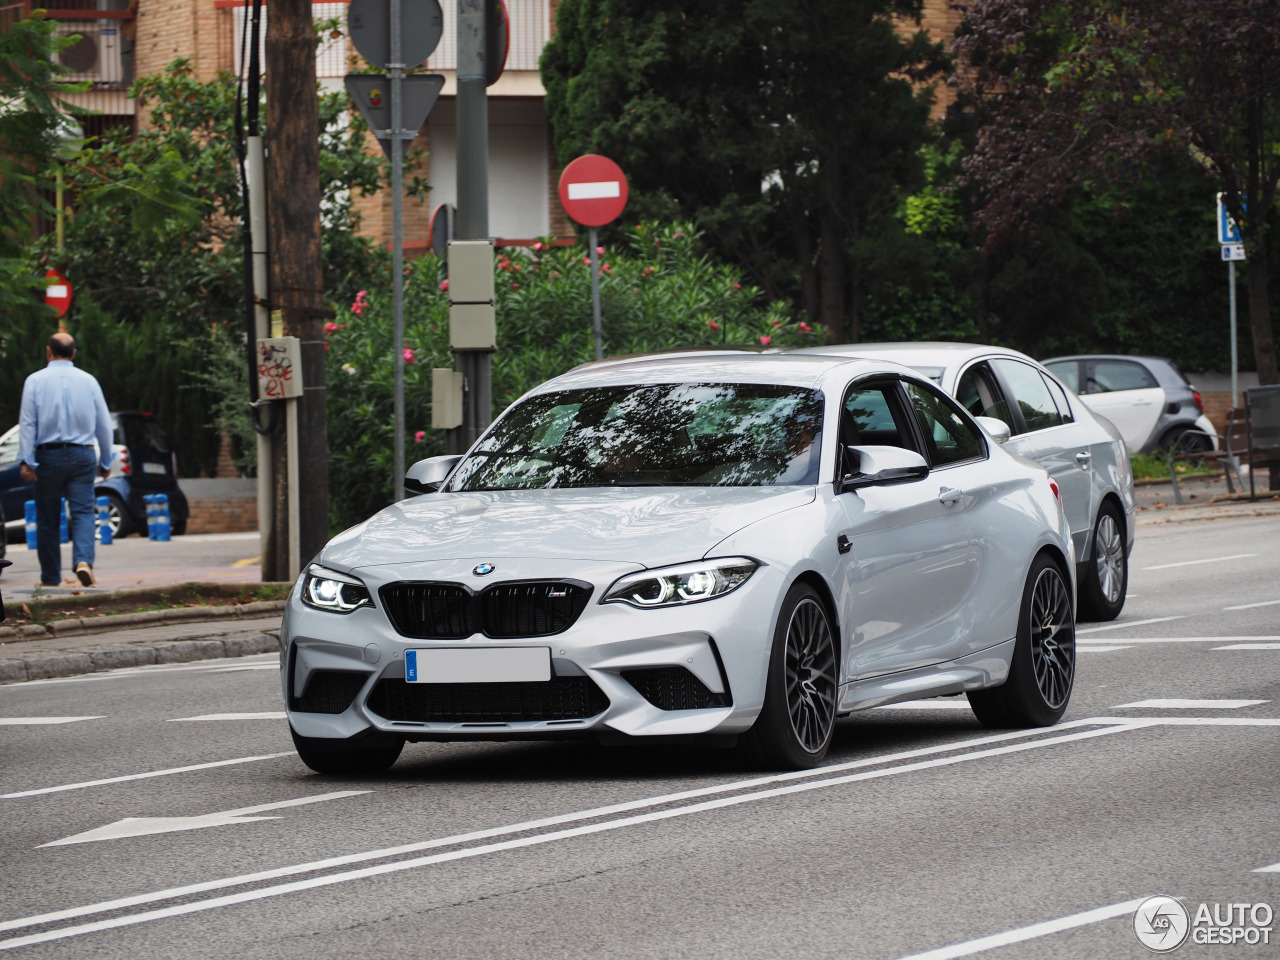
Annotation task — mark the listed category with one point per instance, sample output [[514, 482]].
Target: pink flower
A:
[[605, 268], [537, 245], [713, 325], [358, 309], [805, 328], [775, 322], [766, 340], [600, 250], [420, 436], [361, 294], [330, 327], [586, 261], [408, 355], [444, 284], [737, 286], [514, 285]]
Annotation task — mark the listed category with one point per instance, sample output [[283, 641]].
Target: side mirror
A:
[[877, 466], [425, 476], [998, 430]]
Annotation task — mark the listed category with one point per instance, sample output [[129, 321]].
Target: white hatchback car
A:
[[1048, 423], [707, 545]]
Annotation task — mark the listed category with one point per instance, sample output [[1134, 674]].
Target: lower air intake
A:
[[560, 698], [330, 691], [674, 688]]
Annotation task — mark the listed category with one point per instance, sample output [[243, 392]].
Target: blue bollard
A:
[[64, 536], [162, 518], [104, 521], [150, 501], [29, 511]]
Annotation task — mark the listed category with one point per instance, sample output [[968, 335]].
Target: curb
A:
[[138, 655], [148, 618]]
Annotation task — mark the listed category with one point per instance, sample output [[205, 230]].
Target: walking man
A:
[[63, 412]]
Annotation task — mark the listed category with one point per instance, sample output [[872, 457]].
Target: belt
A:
[[61, 446]]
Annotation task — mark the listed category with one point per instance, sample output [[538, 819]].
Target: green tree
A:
[[787, 129], [1093, 93]]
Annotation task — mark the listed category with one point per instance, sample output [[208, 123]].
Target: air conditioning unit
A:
[[96, 55]]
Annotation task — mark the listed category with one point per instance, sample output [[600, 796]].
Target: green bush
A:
[[659, 293]]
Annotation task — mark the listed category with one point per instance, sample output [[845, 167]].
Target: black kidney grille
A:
[[330, 691], [449, 611], [429, 611], [560, 698], [531, 609], [674, 688]]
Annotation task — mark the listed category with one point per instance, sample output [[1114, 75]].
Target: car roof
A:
[[1109, 356], [917, 354], [716, 366]]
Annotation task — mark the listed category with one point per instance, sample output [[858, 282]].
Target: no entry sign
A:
[[58, 293], [593, 190]]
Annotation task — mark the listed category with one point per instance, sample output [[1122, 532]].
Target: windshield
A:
[[681, 434]]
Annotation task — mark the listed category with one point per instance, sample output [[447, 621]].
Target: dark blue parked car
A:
[[142, 463]]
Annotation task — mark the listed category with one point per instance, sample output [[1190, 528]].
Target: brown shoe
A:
[[85, 573]]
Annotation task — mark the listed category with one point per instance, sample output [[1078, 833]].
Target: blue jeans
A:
[[69, 473]]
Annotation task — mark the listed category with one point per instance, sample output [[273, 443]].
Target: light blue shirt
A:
[[61, 404]]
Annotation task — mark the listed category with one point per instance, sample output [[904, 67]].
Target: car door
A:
[[1050, 435], [910, 569], [14, 491], [1127, 394]]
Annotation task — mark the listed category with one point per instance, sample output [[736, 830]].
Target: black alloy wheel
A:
[[1106, 574], [796, 723], [1042, 673]]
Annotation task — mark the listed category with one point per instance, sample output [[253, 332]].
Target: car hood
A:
[[648, 527]]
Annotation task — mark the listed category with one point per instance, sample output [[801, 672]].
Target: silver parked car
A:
[[714, 545], [1147, 398], [1051, 425]]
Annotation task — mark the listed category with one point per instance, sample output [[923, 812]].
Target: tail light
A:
[[1199, 402], [124, 461], [1057, 492]]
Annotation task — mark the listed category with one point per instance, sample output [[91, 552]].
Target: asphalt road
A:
[[923, 832]]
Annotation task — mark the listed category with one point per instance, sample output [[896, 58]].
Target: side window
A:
[[1060, 398], [868, 418], [978, 393], [949, 435], [1109, 375], [1030, 393], [1068, 371]]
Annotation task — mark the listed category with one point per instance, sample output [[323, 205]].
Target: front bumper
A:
[[679, 671]]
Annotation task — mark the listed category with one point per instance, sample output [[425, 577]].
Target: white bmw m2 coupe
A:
[[704, 545]]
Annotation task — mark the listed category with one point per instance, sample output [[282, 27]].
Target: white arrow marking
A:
[[145, 826], [232, 716], [39, 721]]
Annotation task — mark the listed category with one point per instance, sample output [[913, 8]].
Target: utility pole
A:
[[301, 514]]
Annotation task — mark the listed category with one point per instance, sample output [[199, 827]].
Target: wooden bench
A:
[[1225, 449]]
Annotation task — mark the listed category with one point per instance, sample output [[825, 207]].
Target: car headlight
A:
[[337, 592], [687, 583]]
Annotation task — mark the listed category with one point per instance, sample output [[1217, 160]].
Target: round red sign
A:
[[593, 190], [58, 293]]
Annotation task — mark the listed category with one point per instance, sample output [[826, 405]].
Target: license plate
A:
[[483, 665], [153, 468]]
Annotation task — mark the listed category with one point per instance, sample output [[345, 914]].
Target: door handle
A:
[[949, 496], [1084, 459], [843, 543]]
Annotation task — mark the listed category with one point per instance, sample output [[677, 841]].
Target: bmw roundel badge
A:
[[483, 569]]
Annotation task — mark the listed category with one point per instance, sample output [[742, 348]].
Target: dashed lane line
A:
[[1250, 646], [1191, 563], [1102, 648], [1090, 640], [1251, 606], [140, 776], [40, 721], [1175, 704], [270, 715], [1128, 623]]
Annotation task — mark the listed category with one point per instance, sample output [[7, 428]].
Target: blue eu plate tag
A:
[[411, 666]]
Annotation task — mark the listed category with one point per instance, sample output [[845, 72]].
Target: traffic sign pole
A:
[[1235, 362], [396, 70], [595, 294]]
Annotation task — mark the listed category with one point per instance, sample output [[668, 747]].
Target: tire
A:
[[1104, 581], [1187, 440], [345, 759], [118, 517], [798, 719], [1038, 688], [179, 527]]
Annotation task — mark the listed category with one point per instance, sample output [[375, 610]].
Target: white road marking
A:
[[154, 669], [146, 826], [1113, 724], [1274, 868], [928, 705], [1189, 563], [1250, 646], [1032, 932], [1173, 639], [1128, 623], [253, 666], [140, 776], [1101, 648], [40, 721], [1213, 721], [1175, 704], [273, 715], [1250, 606]]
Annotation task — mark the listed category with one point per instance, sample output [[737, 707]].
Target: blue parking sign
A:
[[1228, 232]]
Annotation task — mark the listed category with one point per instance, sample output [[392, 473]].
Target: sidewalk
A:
[[1204, 498]]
